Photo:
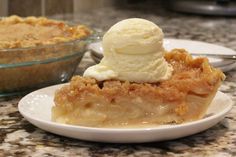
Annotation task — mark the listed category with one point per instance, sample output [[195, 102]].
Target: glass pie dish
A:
[[23, 69]]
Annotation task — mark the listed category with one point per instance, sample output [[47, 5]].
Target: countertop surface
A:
[[20, 138]]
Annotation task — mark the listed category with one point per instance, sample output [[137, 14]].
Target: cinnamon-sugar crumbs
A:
[[190, 75], [18, 32]]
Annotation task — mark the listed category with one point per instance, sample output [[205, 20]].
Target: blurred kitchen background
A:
[[50, 7], [204, 20]]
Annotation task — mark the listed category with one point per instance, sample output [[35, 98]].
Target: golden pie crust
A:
[[17, 32], [113, 103]]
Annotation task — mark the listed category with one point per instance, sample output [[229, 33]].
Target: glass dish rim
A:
[[86, 39], [46, 61]]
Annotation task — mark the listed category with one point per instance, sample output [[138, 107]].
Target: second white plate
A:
[[191, 46]]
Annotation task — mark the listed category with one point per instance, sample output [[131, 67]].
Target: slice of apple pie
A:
[[184, 97]]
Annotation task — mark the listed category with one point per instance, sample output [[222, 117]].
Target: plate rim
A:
[[90, 46], [27, 116], [202, 42]]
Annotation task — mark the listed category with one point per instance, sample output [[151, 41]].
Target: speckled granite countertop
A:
[[19, 138]]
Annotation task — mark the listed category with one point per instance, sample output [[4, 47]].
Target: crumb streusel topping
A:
[[17, 32]]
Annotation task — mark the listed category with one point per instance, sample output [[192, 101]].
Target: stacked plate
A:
[[194, 47]]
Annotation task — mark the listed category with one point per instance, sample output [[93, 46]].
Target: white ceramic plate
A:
[[36, 108], [191, 46]]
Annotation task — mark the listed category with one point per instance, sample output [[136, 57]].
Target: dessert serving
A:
[[138, 83], [36, 52]]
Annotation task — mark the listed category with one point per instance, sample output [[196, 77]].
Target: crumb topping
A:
[[190, 76], [17, 32]]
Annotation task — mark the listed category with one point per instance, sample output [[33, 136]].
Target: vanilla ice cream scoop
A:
[[133, 51]]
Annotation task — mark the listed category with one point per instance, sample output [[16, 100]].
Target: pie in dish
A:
[[17, 32], [37, 52], [184, 97]]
